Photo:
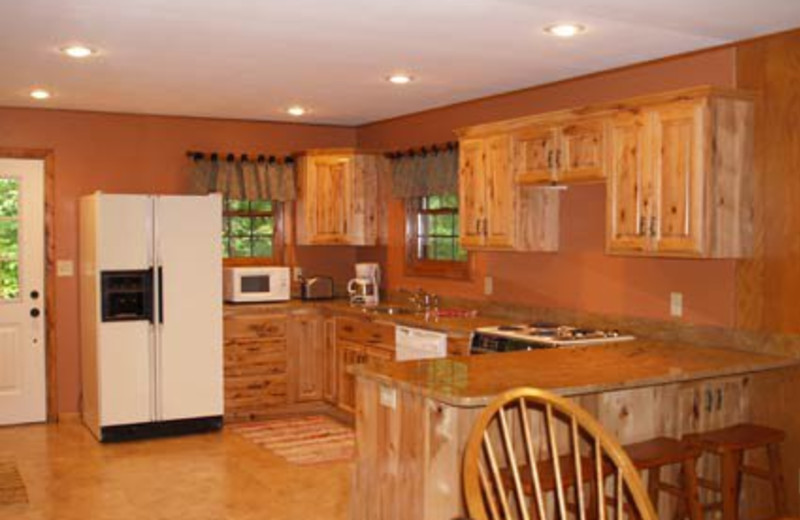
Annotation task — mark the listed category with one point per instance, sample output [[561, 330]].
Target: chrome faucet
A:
[[423, 301]]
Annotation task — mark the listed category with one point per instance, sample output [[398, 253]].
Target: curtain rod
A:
[[423, 150], [231, 157]]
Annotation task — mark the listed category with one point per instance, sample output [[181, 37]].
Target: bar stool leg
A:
[[653, 480], [691, 488], [730, 464], [776, 474]]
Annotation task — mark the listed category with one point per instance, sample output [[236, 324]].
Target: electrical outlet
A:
[[676, 304], [65, 268], [297, 273], [488, 285], [388, 397]]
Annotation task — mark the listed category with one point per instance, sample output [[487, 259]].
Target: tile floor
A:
[[218, 476]]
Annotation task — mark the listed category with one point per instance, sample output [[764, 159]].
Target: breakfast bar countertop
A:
[[474, 380]]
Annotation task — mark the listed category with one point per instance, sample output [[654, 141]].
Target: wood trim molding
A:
[[51, 356]]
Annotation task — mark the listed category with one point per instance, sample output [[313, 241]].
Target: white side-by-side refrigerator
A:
[[151, 314]]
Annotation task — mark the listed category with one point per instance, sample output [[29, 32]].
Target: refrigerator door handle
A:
[[160, 294]]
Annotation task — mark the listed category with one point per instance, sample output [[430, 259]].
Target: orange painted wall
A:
[[580, 276], [140, 154]]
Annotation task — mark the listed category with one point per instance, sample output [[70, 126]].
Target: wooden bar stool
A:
[[730, 445], [655, 454]]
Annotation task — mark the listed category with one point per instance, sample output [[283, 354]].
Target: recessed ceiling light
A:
[[40, 93], [400, 79], [565, 30], [78, 51], [296, 111]]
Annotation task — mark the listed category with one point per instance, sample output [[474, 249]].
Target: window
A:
[[432, 238], [9, 239], [250, 232]]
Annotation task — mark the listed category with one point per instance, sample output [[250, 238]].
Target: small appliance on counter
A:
[[365, 287], [256, 284], [316, 288], [510, 338]]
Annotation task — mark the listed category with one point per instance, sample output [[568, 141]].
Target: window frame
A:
[[278, 243], [414, 266]]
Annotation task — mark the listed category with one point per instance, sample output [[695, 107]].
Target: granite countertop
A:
[[454, 327], [474, 380]]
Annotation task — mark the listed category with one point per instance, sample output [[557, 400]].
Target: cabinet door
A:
[[500, 223], [534, 155], [472, 192], [579, 156], [255, 377], [678, 167], [329, 368], [348, 354], [332, 184], [306, 357], [629, 184]]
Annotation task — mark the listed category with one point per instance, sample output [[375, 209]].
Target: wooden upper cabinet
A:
[[472, 192], [494, 211], [580, 154], [338, 198], [500, 221], [628, 188], [563, 152], [680, 178], [678, 143], [533, 150]]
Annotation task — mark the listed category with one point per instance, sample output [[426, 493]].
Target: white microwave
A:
[[256, 284]]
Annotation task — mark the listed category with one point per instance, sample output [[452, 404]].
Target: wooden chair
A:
[[504, 438]]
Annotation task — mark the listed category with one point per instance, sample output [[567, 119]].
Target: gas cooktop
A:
[[509, 338]]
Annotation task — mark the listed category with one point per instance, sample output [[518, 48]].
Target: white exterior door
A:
[[189, 262], [22, 319]]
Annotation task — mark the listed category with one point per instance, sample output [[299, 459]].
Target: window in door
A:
[[432, 238], [251, 232], [9, 239]]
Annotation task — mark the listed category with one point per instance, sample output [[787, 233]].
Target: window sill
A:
[[461, 271]]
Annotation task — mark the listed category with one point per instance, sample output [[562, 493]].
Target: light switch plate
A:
[[298, 273], [65, 268], [388, 397], [676, 304]]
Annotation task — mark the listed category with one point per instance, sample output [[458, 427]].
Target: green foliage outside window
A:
[[438, 229], [9, 238], [248, 229]]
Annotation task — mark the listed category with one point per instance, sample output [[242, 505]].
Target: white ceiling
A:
[[251, 59]]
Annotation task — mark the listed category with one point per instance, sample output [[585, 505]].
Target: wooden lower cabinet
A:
[[256, 366], [348, 354], [330, 373], [306, 357]]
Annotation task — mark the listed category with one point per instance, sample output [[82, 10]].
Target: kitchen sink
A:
[[391, 310]]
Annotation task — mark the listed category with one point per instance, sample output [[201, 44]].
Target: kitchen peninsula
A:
[[413, 419]]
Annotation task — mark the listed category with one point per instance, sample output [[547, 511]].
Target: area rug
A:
[[12, 488], [306, 440]]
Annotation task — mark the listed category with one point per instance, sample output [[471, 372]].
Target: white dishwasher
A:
[[411, 343]]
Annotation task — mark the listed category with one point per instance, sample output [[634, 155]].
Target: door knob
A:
[[35, 312]]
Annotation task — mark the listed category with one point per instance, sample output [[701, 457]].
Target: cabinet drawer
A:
[[255, 327], [364, 332], [248, 357]]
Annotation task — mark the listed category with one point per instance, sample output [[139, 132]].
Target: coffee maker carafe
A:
[[364, 288]]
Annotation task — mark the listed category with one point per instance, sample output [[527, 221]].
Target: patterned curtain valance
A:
[[425, 172], [243, 179]]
